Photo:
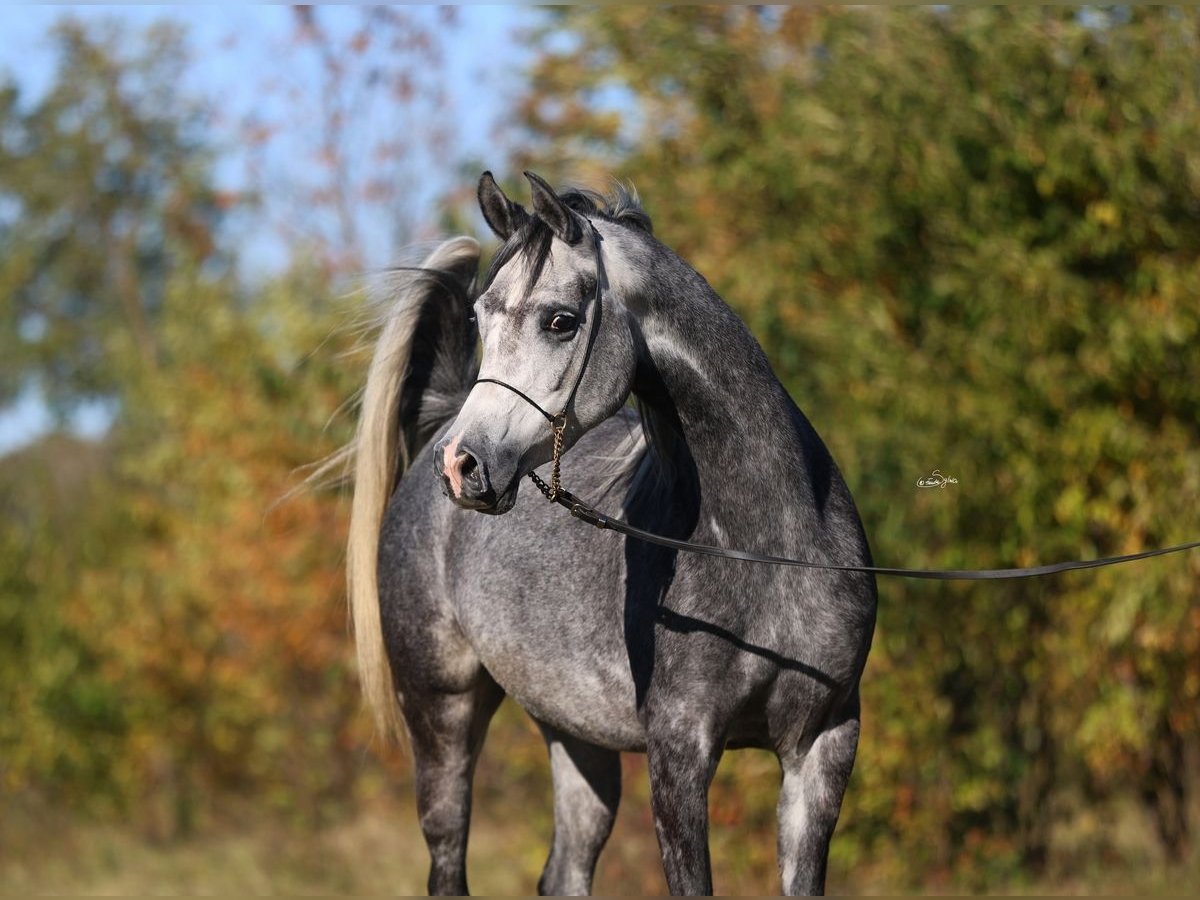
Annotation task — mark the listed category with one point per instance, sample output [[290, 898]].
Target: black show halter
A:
[[558, 424], [555, 493]]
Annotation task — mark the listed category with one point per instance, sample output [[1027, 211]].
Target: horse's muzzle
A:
[[464, 476]]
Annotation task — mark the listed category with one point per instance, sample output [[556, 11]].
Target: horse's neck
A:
[[756, 460]]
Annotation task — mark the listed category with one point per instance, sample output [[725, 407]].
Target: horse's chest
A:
[[565, 663]]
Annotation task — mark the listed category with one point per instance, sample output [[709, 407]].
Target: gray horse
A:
[[611, 644]]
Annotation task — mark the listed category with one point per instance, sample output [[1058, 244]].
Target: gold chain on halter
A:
[[557, 427]]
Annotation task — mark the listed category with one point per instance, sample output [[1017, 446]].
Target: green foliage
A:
[[181, 636], [53, 691], [968, 240], [104, 190], [171, 632]]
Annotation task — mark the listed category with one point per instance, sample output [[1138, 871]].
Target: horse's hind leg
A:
[[810, 801], [587, 789], [447, 731]]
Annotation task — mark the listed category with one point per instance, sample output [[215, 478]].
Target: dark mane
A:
[[622, 206], [533, 239]]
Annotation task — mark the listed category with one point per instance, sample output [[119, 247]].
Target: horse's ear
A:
[[546, 206], [502, 215]]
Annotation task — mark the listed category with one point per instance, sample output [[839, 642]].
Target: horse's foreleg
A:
[[810, 801], [447, 731], [682, 763], [587, 789]]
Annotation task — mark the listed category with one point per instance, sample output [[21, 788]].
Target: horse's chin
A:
[[506, 501], [503, 503]]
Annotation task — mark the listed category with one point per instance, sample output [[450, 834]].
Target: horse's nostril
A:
[[470, 469], [465, 476]]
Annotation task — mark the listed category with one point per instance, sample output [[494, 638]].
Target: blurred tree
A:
[[168, 635], [968, 239], [105, 188], [218, 617], [355, 116], [51, 691]]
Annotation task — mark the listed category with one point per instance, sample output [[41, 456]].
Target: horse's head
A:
[[557, 342]]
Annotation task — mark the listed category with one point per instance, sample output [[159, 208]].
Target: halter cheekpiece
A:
[[558, 423]]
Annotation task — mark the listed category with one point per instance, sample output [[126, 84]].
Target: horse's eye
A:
[[562, 323]]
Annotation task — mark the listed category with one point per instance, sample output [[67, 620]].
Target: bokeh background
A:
[[969, 239]]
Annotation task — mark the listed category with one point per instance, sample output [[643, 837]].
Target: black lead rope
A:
[[555, 493], [581, 510]]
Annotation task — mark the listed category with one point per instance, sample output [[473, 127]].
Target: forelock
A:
[[533, 240]]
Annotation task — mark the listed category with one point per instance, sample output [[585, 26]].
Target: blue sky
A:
[[484, 59], [234, 50], [487, 33]]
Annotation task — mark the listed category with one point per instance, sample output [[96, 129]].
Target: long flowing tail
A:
[[420, 372]]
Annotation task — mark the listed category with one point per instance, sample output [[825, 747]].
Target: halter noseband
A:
[[558, 424]]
